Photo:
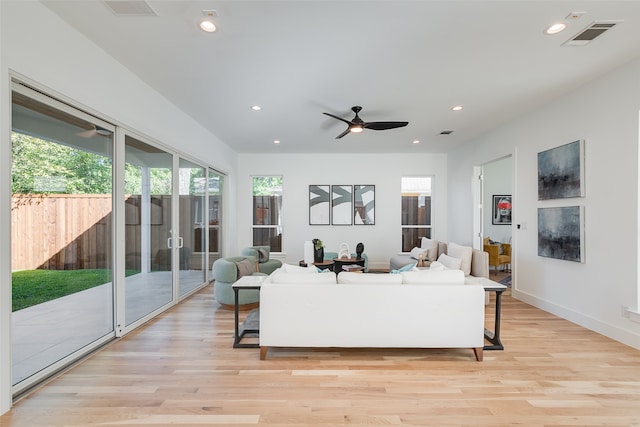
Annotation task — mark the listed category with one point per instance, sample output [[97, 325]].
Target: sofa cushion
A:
[[245, 267], [464, 254], [450, 262], [348, 278], [432, 277], [303, 278], [290, 268]]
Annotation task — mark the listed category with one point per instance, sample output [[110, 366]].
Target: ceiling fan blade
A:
[[344, 133], [384, 125], [338, 118], [87, 133]]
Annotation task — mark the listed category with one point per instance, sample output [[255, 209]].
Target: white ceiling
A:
[[400, 60]]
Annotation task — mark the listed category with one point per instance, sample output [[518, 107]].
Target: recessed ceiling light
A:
[[207, 26], [457, 108], [555, 28], [256, 107], [277, 141], [416, 142]]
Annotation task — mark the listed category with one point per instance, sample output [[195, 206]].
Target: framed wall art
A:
[[561, 233], [561, 172], [501, 211], [341, 204], [319, 205], [364, 204]]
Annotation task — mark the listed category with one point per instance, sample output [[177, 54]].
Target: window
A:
[[416, 210], [267, 212]]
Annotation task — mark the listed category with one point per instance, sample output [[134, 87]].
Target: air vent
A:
[[130, 7], [446, 132], [594, 30]]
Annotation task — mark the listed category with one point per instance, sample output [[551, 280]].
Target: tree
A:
[[40, 166]]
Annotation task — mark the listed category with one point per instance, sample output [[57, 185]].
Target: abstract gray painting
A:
[[364, 204], [561, 233], [341, 204], [561, 172], [319, 204]]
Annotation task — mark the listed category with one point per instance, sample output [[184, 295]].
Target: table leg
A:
[[236, 336], [494, 337]]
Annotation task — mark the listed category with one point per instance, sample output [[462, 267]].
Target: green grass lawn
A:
[[32, 287]]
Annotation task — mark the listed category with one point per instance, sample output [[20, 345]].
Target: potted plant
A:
[[318, 250]]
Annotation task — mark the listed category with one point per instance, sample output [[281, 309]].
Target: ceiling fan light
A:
[[356, 129]]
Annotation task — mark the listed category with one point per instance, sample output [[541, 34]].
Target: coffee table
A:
[[339, 262], [251, 325], [324, 265]]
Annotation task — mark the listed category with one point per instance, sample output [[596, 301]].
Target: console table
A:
[[251, 325], [493, 336]]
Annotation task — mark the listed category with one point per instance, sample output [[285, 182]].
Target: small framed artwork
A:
[[501, 212], [561, 172], [364, 204], [341, 204], [561, 233], [319, 204]]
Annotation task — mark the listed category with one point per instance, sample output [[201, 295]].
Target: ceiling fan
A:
[[358, 125], [95, 130]]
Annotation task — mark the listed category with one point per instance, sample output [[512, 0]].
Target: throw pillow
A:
[[419, 253], [438, 266], [464, 254], [263, 255], [245, 267], [450, 262], [431, 246], [407, 267]]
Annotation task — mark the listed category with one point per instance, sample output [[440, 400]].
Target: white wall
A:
[[497, 180], [605, 114], [37, 45], [382, 240]]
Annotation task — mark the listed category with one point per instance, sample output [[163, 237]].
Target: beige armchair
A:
[[499, 254]]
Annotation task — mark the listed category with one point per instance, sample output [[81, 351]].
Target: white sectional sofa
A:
[[414, 309]]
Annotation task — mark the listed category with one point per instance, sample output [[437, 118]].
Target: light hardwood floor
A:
[[181, 370]]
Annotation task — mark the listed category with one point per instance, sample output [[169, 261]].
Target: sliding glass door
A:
[[148, 205], [192, 185], [88, 266], [61, 234]]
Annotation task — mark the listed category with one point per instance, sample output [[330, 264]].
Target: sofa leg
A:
[[478, 352], [263, 352]]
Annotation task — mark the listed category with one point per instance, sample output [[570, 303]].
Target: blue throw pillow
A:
[[407, 267]]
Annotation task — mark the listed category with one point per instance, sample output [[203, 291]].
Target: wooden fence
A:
[[61, 232], [74, 231]]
